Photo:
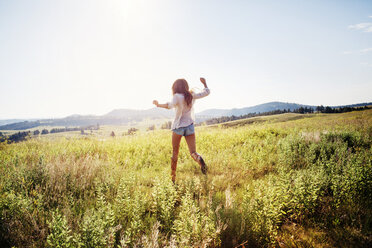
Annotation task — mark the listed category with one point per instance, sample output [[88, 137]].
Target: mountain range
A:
[[128, 116], [265, 107]]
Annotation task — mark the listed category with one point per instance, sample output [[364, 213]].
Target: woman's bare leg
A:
[[176, 139], [190, 140]]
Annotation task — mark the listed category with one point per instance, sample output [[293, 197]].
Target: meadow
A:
[[289, 180]]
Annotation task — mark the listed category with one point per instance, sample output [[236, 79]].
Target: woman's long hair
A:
[[181, 86]]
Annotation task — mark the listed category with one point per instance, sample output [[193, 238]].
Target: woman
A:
[[183, 124]]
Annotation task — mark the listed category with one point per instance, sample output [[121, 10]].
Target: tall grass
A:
[[289, 182]]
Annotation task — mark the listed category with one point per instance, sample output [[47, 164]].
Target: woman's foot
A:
[[196, 156], [203, 166]]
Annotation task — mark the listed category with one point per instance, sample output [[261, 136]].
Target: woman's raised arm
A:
[[205, 91], [204, 82]]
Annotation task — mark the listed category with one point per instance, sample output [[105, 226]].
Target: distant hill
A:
[[10, 121], [126, 116], [115, 117], [148, 113], [266, 107]]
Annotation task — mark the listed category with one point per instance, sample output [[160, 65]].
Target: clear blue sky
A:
[[88, 57]]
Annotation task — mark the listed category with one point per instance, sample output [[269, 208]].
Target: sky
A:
[[59, 58]]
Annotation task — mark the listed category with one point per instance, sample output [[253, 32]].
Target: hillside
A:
[[285, 180], [266, 107], [265, 119]]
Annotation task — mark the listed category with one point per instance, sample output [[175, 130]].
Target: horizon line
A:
[[98, 115]]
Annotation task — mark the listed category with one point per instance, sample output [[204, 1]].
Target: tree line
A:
[[21, 136], [330, 110], [16, 137], [301, 110]]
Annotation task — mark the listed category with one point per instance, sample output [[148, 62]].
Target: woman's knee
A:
[[175, 155]]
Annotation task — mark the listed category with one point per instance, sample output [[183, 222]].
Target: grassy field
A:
[[289, 180]]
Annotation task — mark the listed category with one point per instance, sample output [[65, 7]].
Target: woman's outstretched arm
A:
[[159, 105], [168, 105]]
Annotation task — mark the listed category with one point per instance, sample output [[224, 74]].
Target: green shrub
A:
[[164, 197], [22, 218], [98, 227], [60, 234], [293, 151], [130, 211], [194, 228]]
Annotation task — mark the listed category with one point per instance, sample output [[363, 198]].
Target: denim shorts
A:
[[185, 131]]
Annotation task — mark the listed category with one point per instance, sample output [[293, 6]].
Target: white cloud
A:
[[365, 26], [366, 50], [347, 52], [366, 64], [370, 16]]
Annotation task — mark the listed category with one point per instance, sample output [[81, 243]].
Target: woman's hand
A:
[[202, 80], [156, 103]]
